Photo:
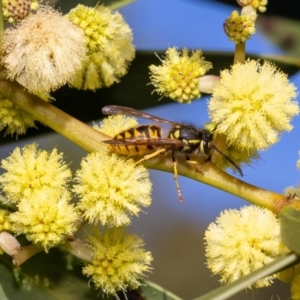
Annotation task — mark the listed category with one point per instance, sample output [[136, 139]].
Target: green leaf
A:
[[46, 277], [67, 5], [275, 33], [239, 285], [290, 227], [116, 4], [224, 60]]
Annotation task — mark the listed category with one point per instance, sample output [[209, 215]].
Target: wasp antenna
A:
[[230, 160]]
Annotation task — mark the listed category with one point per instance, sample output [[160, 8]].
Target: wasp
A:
[[147, 140]]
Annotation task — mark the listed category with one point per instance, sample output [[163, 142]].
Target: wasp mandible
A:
[[147, 140]]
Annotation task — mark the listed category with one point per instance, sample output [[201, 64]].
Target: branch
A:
[[76, 131], [90, 140]]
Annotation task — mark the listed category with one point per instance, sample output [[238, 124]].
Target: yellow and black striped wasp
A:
[[147, 140]]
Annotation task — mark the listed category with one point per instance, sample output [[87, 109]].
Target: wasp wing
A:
[[163, 142], [123, 110]]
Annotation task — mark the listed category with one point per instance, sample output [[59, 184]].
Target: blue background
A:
[[174, 232]]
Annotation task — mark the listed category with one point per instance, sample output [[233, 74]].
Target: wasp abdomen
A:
[[137, 133]]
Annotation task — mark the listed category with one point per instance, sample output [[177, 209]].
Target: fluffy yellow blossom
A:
[[16, 10], [292, 276], [111, 188], [109, 42], [47, 218], [252, 105], [260, 5], [5, 225], [295, 288], [119, 261], [178, 76], [239, 28], [14, 118], [114, 124], [29, 170], [44, 51], [241, 241]]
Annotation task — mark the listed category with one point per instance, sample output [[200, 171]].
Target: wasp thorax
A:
[[192, 138]]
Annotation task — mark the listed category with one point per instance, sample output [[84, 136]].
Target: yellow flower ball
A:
[[114, 124], [108, 39], [178, 76], [16, 10], [47, 218], [14, 119], [252, 104], [43, 64], [118, 262], [111, 188], [241, 241], [29, 170], [239, 28], [5, 224], [260, 5]]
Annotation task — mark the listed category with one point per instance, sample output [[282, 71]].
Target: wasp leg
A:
[[208, 158], [146, 157], [195, 165], [176, 178]]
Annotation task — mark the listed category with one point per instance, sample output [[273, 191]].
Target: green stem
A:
[[25, 253], [76, 131], [90, 140], [239, 53], [216, 177]]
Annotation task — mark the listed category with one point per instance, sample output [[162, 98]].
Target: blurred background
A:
[[174, 232]]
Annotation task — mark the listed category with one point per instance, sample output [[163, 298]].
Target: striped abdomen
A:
[[134, 135]]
